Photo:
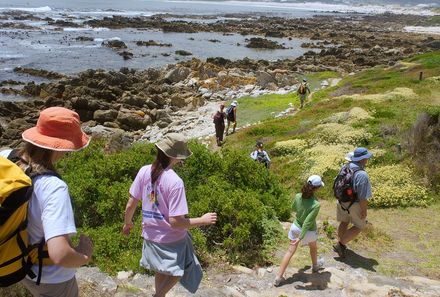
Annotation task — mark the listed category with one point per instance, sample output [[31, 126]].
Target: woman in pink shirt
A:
[[167, 247]]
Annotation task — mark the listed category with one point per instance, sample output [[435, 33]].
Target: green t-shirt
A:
[[306, 213]]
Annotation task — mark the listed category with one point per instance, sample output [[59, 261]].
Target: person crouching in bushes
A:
[[50, 214], [167, 247], [303, 229], [260, 154]]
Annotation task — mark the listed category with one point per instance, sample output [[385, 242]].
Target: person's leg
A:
[[286, 259], [314, 253], [227, 127], [349, 235], [164, 283], [221, 132], [342, 229], [234, 126]]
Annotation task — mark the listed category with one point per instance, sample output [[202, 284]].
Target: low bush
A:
[[394, 185], [247, 197]]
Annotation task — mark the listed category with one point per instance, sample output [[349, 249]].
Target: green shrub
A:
[[247, 197]]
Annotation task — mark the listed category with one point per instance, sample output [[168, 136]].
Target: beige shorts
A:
[[65, 289], [353, 217]]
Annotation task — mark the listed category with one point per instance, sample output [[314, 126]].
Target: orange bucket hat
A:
[[57, 129]]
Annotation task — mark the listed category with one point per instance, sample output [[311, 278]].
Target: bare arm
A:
[[128, 217], [363, 204], [181, 222], [63, 254]]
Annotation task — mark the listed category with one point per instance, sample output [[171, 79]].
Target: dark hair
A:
[[37, 158], [162, 161], [308, 190]]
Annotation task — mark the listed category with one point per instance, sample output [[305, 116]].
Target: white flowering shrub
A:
[[396, 94], [393, 185], [322, 158], [289, 147], [352, 116], [334, 133]]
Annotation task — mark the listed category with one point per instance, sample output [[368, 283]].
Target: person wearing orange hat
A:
[[50, 214], [219, 122]]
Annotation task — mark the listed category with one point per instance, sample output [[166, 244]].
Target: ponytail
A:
[[307, 190], [159, 165]]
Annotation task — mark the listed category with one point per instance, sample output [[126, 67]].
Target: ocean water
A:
[[51, 48]]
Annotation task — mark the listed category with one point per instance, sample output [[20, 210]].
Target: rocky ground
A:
[[337, 279]]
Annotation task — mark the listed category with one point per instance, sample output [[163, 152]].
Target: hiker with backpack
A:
[[260, 154], [167, 248], [303, 230], [219, 123], [302, 92], [50, 219], [231, 116], [352, 189]]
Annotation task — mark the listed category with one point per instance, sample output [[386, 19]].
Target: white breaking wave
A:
[[419, 29], [114, 12], [28, 9], [324, 7], [73, 29]]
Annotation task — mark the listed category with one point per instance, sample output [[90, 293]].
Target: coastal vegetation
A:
[[250, 200]]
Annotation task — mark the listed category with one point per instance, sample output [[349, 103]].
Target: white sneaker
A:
[[278, 281], [319, 265]]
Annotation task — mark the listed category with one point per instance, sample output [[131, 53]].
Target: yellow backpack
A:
[[16, 255]]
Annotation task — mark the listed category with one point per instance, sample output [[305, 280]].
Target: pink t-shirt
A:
[[168, 200]]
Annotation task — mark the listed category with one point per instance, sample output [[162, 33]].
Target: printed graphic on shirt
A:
[[154, 212]]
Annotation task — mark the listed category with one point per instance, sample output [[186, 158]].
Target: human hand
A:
[[363, 214], [209, 218], [85, 246], [127, 228], [295, 241]]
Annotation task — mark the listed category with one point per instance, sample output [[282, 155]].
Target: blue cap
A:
[[361, 153]]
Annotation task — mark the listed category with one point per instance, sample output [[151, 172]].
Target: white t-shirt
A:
[[50, 214]]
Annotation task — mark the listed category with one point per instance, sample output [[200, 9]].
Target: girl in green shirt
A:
[[303, 229]]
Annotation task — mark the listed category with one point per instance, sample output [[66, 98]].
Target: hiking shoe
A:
[[278, 281], [318, 266], [340, 249]]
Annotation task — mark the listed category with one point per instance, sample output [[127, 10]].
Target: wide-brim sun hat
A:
[[361, 153], [315, 180], [57, 129], [234, 103], [175, 146]]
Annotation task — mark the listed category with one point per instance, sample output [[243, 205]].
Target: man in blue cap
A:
[[354, 211]]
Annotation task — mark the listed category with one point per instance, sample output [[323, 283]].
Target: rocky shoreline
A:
[[145, 104]]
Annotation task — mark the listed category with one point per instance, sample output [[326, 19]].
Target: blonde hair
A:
[[38, 160]]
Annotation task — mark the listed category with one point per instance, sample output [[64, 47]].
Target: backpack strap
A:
[[353, 201]]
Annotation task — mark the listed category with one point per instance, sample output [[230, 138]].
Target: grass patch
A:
[[323, 75], [255, 109], [428, 60]]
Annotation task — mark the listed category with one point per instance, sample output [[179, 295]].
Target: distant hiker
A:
[[260, 154], [167, 247], [219, 123], [231, 116], [352, 188], [303, 229], [50, 218], [302, 91]]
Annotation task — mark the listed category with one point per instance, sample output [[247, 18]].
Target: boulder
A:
[[114, 43], [131, 121], [177, 74], [264, 78], [102, 116]]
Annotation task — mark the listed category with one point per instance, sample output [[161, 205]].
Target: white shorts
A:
[[295, 231]]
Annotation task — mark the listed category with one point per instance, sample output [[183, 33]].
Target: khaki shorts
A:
[[65, 289], [353, 217]]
